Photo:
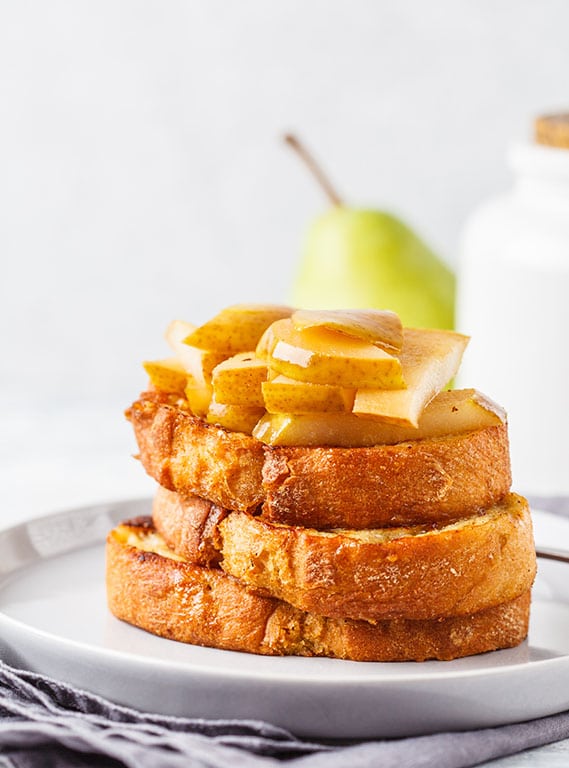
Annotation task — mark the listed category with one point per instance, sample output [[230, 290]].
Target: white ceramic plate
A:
[[53, 619]]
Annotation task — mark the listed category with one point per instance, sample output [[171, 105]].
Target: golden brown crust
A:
[[422, 481], [412, 573], [204, 606], [189, 526], [184, 453]]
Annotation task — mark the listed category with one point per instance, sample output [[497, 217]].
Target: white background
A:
[[142, 178]]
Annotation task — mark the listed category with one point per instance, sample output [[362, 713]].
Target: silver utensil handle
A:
[[552, 554]]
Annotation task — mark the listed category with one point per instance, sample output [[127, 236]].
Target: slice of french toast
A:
[[413, 572], [431, 480], [371, 574], [152, 588]]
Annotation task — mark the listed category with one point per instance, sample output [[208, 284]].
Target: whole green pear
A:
[[357, 258]]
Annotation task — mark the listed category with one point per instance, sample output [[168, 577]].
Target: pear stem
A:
[[314, 168]]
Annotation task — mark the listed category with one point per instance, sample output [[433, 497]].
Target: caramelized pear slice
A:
[[237, 418], [378, 326], [198, 394], [237, 380], [322, 356], [452, 412], [198, 362], [429, 358], [167, 375], [237, 328], [284, 395]]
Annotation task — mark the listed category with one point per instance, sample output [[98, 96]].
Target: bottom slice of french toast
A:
[[154, 589]]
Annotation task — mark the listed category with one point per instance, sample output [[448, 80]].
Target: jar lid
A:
[[553, 130]]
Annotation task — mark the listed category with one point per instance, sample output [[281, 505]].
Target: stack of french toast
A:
[[321, 492]]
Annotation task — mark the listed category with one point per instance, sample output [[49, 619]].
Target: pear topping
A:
[[429, 359], [168, 375], [320, 377], [237, 418], [322, 356], [237, 380], [198, 364], [198, 394], [453, 412], [237, 328], [284, 395], [378, 326]]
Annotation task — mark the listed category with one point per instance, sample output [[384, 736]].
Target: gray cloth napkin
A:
[[47, 724]]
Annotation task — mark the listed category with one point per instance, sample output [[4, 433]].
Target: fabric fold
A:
[[45, 723]]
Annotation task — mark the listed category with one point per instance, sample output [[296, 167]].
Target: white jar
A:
[[513, 300]]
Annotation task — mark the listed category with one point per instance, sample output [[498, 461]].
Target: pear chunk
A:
[[198, 394], [198, 362], [237, 418], [284, 395], [380, 327], [429, 359], [237, 328], [237, 380], [167, 375], [322, 356], [452, 412]]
